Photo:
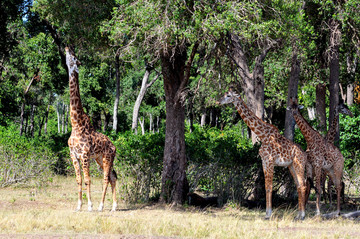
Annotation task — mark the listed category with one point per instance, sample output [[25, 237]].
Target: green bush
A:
[[222, 163], [139, 165], [22, 159], [219, 162], [350, 145]]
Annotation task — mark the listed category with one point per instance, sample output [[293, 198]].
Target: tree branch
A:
[[182, 92]]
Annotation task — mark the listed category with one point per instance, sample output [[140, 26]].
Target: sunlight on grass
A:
[[50, 211]]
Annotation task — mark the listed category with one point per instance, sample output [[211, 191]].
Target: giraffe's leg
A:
[[113, 178], [107, 169], [297, 171], [335, 176], [318, 188], [309, 180], [86, 168], [268, 173], [78, 180]]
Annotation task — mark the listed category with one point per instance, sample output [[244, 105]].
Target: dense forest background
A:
[[150, 76]]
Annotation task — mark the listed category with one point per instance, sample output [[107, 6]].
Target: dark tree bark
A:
[[321, 107], [46, 118], [57, 40], [292, 93], [106, 121], [32, 120], [96, 120], [252, 82], [117, 97], [176, 73], [335, 35]]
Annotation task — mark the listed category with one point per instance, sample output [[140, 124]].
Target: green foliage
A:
[[22, 160], [350, 138], [139, 165], [221, 162]]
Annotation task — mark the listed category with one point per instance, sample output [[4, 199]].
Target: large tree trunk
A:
[[176, 75], [335, 36], [292, 93], [321, 107], [173, 175], [252, 82], [117, 97]]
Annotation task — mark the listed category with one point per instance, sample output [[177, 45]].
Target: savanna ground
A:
[[48, 212]]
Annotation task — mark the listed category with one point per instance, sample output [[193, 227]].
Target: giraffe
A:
[[85, 143], [275, 150], [330, 138], [322, 155]]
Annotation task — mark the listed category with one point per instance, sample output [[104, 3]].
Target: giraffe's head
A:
[[294, 106], [228, 97], [71, 61], [343, 109]]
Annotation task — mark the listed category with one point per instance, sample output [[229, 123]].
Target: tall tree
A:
[[292, 94]]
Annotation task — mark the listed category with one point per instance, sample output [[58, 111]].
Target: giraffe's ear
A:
[[301, 107]]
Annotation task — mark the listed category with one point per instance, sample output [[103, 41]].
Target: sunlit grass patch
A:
[[50, 211]]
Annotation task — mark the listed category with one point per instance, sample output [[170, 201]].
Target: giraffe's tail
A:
[[114, 173], [311, 184]]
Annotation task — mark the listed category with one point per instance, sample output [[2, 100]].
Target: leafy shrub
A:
[[139, 165], [22, 159], [222, 163], [350, 145], [219, 162]]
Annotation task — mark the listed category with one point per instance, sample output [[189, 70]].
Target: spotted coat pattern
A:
[[85, 143], [330, 138], [275, 150], [322, 155]]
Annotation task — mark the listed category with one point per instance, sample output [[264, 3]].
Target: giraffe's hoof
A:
[[101, 207], [299, 218], [114, 207]]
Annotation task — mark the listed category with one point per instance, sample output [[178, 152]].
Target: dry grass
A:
[[49, 213]]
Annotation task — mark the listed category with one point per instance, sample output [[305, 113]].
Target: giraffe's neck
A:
[[305, 127], [330, 136], [259, 127], [76, 110]]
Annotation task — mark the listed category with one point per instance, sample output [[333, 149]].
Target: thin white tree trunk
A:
[[63, 119], [142, 125], [350, 94], [116, 103], [151, 129], [203, 119], [144, 87]]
